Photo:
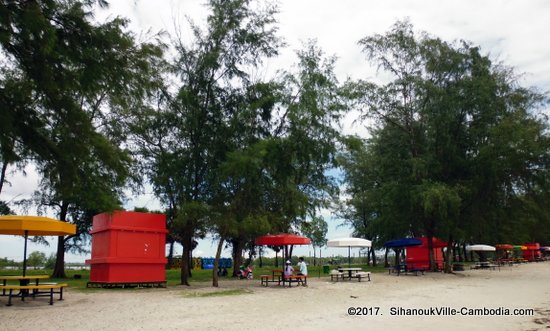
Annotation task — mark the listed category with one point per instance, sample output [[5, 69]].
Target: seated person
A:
[[289, 270]]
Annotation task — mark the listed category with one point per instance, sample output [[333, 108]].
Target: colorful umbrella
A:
[[349, 243], [34, 226], [282, 239], [504, 246]]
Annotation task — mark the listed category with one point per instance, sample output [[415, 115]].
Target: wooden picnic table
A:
[[350, 271], [353, 273]]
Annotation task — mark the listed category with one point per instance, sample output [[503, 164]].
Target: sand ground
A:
[[323, 305]]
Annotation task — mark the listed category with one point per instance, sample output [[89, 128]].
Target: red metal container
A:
[[419, 256], [128, 247], [532, 253]]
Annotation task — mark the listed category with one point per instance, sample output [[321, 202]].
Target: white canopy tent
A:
[[349, 243], [481, 248]]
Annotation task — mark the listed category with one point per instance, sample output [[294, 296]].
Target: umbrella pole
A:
[[349, 256], [25, 254]]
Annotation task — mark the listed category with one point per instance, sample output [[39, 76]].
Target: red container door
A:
[[128, 247]]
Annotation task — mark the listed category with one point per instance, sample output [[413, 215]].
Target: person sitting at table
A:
[[289, 270], [303, 267]]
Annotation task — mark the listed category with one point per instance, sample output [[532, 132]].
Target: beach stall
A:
[[282, 240], [128, 248], [518, 253], [419, 256], [545, 251], [532, 252], [483, 252], [399, 245], [504, 253]]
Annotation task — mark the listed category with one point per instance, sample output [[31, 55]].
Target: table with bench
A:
[[26, 289], [277, 276], [349, 274], [298, 279]]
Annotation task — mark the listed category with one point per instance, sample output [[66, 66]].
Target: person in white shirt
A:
[[303, 267]]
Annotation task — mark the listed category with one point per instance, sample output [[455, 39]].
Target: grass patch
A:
[[173, 276], [236, 291]]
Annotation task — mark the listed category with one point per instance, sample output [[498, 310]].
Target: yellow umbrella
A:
[[34, 226]]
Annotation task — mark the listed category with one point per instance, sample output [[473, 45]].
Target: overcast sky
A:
[[512, 32]]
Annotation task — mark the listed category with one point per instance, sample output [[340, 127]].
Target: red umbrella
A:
[[282, 239]]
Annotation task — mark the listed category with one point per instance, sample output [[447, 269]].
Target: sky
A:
[[514, 33]]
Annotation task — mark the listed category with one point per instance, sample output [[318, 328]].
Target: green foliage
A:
[[456, 151], [67, 83], [5, 209], [50, 261], [36, 259], [216, 109], [316, 229]]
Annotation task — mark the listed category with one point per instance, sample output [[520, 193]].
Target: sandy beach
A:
[[388, 302]]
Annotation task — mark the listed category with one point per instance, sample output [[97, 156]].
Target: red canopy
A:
[[438, 243], [282, 239], [504, 246]]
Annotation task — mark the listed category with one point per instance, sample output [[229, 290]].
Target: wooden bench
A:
[[43, 290], [362, 274], [300, 279], [266, 279], [336, 275]]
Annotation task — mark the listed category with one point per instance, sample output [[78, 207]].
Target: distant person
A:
[[289, 270], [303, 267]]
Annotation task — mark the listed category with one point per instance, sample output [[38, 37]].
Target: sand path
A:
[[322, 305]]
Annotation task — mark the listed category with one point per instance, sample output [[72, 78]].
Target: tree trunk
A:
[[3, 174], [289, 255], [237, 255], [170, 256], [314, 257], [448, 256], [386, 264], [373, 256], [59, 269], [433, 265], [215, 275], [185, 265]]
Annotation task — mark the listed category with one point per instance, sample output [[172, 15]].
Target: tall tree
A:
[[184, 141], [456, 134], [76, 78], [281, 179]]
